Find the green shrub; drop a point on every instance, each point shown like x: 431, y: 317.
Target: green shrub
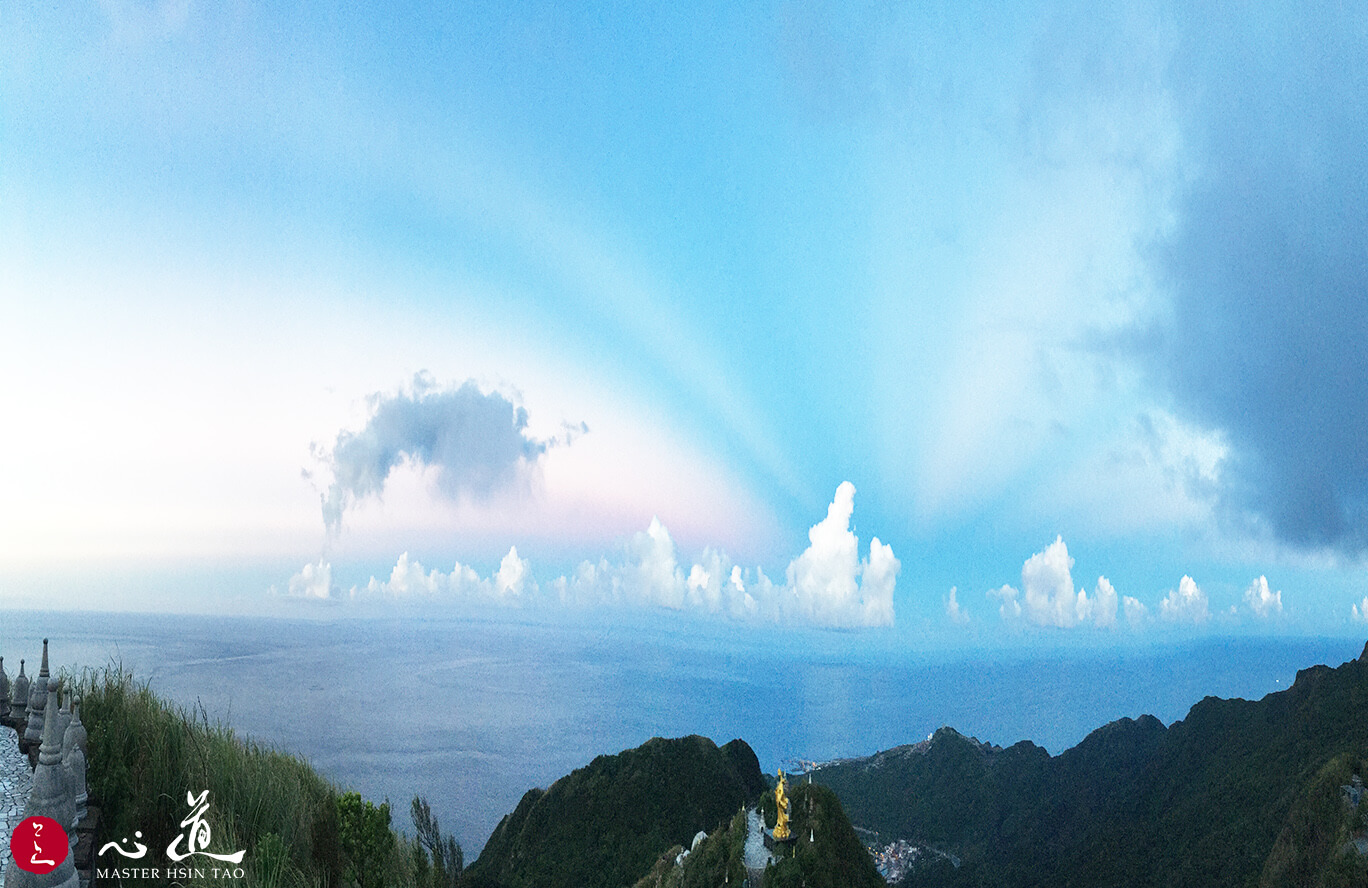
x: 367, y: 843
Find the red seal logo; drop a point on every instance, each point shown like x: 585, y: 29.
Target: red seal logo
x: 39, y: 845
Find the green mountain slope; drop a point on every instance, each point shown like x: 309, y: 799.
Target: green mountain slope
x: 1310, y: 847
x: 1201, y: 803
x: 604, y: 825
x: 826, y: 852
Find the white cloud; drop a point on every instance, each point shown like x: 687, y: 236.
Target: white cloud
x: 1047, y: 587
x: 513, y: 576
x: 1261, y: 601
x: 312, y: 581
x: 958, y: 615
x: 717, y: 586
x: 1104, y: 604
x: 832, y: 586
x: 1010, y: 609
x: 651, y: 573
x: 1360, y: 610
x: 828, y: 584
x: 1186, y: 604
x: 1048, y: 598
x: 1135, y: 611
x: 408, y: 580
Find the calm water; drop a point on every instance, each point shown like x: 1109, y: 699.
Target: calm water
x: 471, y: 714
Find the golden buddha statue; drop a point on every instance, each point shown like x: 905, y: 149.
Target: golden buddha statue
x: 781, y: 825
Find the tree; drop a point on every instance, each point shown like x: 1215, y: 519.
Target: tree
x: 448, y: 862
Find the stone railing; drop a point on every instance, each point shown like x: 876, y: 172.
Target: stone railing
x: 48, y: 724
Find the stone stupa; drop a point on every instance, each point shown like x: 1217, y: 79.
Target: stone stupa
x: 4, y: 691
x: 74, y: 762
x: 38, y: 701
x: 48, y: 797
x: 19, y: 698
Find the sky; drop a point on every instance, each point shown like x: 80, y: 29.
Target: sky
x: 960, y: 324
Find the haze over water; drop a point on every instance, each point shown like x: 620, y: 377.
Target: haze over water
x: 471, y: 713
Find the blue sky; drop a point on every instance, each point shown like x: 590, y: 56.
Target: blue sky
x: 584, y: 309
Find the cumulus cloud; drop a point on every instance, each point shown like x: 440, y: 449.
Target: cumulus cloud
x: 1048, y: 598
x: 828, y: 584
x: 648, y: 573
x: 1010, y: 608
x: 1135, y: 611
x: 958, y: 615
x: 1360, y: 610
x: 476, y: 443
x: 409, y: 580
x: 1047, y: 587
x: 312, y: 581
x: 1261, y: 601
x: 1104, y: 604
x: 1266, y: 267
x: 1186, y: 604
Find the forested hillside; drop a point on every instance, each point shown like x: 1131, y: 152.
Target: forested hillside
x: 604, y: 825
x: 1237, y: 791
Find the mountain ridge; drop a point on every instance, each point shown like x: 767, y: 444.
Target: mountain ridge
x: 604, y: 825
x: 1199, y: 802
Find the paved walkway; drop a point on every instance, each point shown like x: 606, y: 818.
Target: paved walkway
x: 757, y: 855
x: 15, y: 779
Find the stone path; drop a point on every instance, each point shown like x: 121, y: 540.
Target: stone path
x: 15, y: 779
x: 757, y: 855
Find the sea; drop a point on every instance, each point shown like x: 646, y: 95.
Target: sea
x: 471, y: 713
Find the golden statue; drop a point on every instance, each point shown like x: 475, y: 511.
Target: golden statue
x: 781, y: 827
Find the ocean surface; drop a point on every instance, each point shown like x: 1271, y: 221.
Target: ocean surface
x: 472, y: 713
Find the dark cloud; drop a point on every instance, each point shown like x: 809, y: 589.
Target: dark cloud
x: 477, y: 442
x: 1268, y: 264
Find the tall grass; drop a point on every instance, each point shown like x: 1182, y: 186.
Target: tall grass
x: 146, y: 754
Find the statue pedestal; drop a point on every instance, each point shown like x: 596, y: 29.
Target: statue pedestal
x: 779, y: 846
